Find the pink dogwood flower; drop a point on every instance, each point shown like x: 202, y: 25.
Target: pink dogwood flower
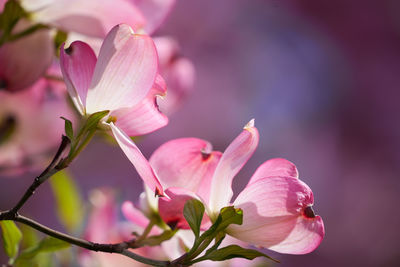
x: 25, y: 60
x: 30, y: 126
x: 277, y: 206
x: 178, y: 72
x: 124, y: 80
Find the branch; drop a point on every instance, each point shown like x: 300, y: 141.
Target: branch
x: 118, y: 248
x: 54, y: 166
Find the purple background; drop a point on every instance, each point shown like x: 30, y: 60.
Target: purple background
x: 321, y: 78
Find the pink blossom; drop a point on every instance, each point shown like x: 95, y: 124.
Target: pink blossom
x: 124, y: 80
x: 25, y: 60
x: 26, y: 138
x: 178, y: 72
x: 277, y: 206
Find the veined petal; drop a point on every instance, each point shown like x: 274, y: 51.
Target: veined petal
x: 276, y: 211
x: 90, y: 17
x: 145, y: 117
x: 155, y: 12
x: 273, y: 168
x: 186, y: 163
x: 77, y: 66
x: 171, y: 210
x: 134, y: 215
x: 305, y: 237
x: 125, y: 71
x: 233, y: 159
x: 138, y: 160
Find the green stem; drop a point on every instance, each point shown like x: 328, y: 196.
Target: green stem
x: 146, y: 231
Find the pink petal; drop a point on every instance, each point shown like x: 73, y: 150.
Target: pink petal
x: 138, y: 160
x: 145, y: 117
x: 171, y: 210
x: 273, y: 168
x: 134, y: 215
x: 155, y: 12
x: 233, y: 159
x: 77, y: 65
x: 125, y: 71
x: 103, y: 216
x: 179, y: 73
x: 94, y: 18
x: 187, y: 163
x: 25, y: 60
x: 274, y: 216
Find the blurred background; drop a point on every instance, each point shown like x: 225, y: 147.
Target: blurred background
x: 321, y: 78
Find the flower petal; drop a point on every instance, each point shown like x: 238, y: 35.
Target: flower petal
x: 145, y: 117
x: 273, y: 168
x: 134, y: 215
x: 77, y: 65
x: 25, y: 60
x: 186, y: 163
x: 138, y: 160
x: 155, y: 12
x: 233, y: 159
x: 171, y: 210
x: 90, y: 17
x: 274, y: 217
x: 125, y: 71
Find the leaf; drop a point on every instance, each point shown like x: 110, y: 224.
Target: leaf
x: 193, y: 212
x: 47, y: 244
x: 233, y: 251
x: 230, y: 215
x: 12, y: 12
x: 69, y: 203
x: 11, y: 238
x: 93, y: 120
x: 68, y: 129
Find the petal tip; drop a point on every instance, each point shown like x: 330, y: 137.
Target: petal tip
x: 249, y: 125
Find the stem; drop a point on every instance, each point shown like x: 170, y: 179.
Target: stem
x: 119, y: 248
x: 47, y: 173
x: 146, y: 231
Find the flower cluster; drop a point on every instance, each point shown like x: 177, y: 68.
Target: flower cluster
x: 100, y: 53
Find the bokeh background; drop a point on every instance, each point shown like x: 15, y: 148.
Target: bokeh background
x: 321, y: 78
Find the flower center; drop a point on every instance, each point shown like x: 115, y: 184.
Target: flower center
x: 309, y: 212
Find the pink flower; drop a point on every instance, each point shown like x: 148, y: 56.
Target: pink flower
x: 124, y: 80
x: 25, y: 60
x: 94, y: 18
x: 178, y: 72
x: 277, y: 206
x: 30, y: 126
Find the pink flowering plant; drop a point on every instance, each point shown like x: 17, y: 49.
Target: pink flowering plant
x: 94, y: 64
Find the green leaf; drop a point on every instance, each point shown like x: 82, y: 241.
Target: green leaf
x: 12, y: 12
x: 193, y: 212
x: 69, y: 203
x: 230, y: 215
x: 233, y: 251
x: 68, y: 129
x: 11, y: 238
x: 48, y: 244
x: 94, y: 119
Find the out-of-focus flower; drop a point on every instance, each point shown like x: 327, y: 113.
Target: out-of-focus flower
x: 104, y: 226
x: 125, y: 81
x: 277, y: 206
x: 30, y: 126
x: 25, y: 60
x: 95, y: 18
x: 178, y: 72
